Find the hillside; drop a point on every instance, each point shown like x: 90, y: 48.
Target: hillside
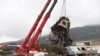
x: 85, y: 33
x: 77, y: 34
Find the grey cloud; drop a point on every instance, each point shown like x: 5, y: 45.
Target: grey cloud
x: 18, y: 16
x: 84, y: 12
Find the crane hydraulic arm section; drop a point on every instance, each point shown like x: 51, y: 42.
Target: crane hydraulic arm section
x: 42, y: 25
x: 26, y: 48
x: 35, y: 24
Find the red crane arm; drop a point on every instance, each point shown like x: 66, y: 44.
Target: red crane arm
x: 24, y: 48
x: 34, y: 38
x: 35, y: 24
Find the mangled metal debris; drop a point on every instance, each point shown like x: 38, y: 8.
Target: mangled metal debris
x: 61, y: 30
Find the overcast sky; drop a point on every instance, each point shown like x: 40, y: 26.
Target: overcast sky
x: 18, y: 16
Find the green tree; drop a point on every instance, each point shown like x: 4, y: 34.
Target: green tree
x: 56, y: 49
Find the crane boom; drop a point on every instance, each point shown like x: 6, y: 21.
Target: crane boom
x: 35, y: 24
x: 34, y: 38
x: 26, y: 49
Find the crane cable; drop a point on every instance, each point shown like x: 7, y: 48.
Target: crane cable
x: 63, y: 10
x: 63, y: 13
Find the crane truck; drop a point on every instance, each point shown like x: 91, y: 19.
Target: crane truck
x: 27, y: 47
